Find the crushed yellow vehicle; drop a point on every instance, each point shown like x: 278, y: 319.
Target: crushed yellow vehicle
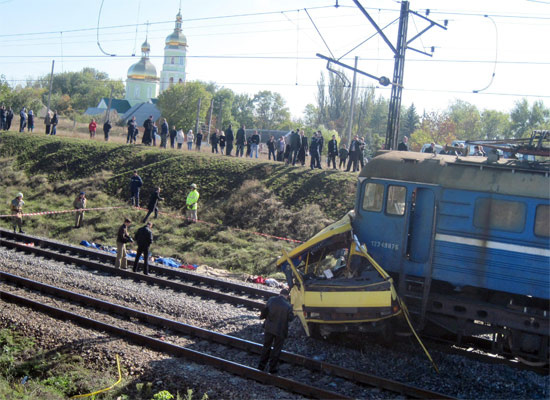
x: 336, y: 286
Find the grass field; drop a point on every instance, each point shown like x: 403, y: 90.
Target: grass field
x: 255, y: 196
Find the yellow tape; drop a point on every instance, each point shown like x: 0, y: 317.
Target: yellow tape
x: 103, y: 390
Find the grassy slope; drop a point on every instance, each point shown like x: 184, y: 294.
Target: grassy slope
x: 285, y: 201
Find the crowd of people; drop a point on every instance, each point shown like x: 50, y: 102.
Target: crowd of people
x: 292, y: 148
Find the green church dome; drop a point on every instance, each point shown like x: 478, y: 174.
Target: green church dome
x: 143, y: 69
x: 176, y: 38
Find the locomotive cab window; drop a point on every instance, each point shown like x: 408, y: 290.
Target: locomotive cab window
x: 395, y: 204
x: 499, y: 214
x: 542, y: 221
x: 373, y: 197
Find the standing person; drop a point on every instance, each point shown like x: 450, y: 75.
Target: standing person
x: 431, y: 149
x: 277, y: 314
x: 148, y: 131
x: 164, y: 133
x: 214, y: 141
x: 122, y: 237
x: 48, y: 122
x: 153, y: 204
x: 79, y: 204
x: 135, y: 186
x: 17, y: 212
x: 180, y: 138
x: 404, y: 145
x: 154, y: 133
x: 198, y: 140
x: 30, y: 119
x: 294, y: 146
x: 173, y: 134
x: 2, y: 117
x: 92, y: 127
x: 332, y: 151
x: 55, y: 121
x: 9, y: 118
x: 271, y: 148
x: 281, y: 145
x: 343, y: 155
x: 320, y: 143
x: 353, y: 154
x: 362, y: 155
x: 303, y: 148
x: 22, y: 119
x: 221, y: 139
x: 144, y: 239
x: 314, y: 151
x: 239, y: 140
x: 106, y: 129
x: 255, y: 143
x: 190, y: 139
x: 229, y: 140
x: 192, y: 203
x: 131, y: 126
x: 248, y: 145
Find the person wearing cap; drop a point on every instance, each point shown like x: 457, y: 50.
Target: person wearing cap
x: 277, y: 314
x: 192, y: 203
x: 17, y: 212
x: 122, y: 238
x: 79, y: 204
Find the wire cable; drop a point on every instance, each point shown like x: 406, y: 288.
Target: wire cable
x: 322, y: 38
x: 496, y: 57
x: 98, y: 43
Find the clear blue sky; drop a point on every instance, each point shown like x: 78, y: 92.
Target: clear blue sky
x: 276, y: 51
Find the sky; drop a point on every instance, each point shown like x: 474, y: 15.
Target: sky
x: 253, y: 45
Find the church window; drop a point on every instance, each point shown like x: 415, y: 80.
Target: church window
x: 180, y: 81
x: 171, y: 80
x: 172, y: 60
x: 181, y: 60
x: 136, y: 92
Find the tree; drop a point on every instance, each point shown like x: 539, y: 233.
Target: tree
x: 270, y: 111
x: 467, y: 120
x: 409, y: 122
x: 5, y: 90
x: 223, y: 98
x: 243, y: 110
x: 494, y: 125
x: 434, y: 127
x: 178, y: 104
x: 28, y: 97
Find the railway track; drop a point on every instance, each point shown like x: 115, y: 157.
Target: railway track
x: 209, y: 287
x: 109, y: 317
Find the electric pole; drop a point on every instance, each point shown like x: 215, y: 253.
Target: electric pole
x: 51, y: 84
x: 352, y: 102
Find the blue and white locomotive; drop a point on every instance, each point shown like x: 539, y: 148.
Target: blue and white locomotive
x: 467, y: 242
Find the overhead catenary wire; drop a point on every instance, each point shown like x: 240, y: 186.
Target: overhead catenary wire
x: 496, y: 58
x: 98, y: 43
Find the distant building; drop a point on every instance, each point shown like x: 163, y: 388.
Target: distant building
x: 142, y: 83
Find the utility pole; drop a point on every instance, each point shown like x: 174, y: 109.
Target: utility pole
x: 352, y: 102
x: 210, y: 118
x: 198, y: 116
x: 51, y: 84
x: 219, y: 121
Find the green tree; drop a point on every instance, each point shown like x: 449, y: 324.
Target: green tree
x: 243, y: 110
x: 5, y: 90
x: 270, y: 111
x: 409, y: 122
x: 434, y: 127
x: 495, y: 125
x: 28, y: 97
x: 467, y: 120
x: 223, y: 98
x: 178, y: 104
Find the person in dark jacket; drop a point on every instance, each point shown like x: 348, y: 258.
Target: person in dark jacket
x: 354, y: 154
x: 122, y: 238
x: 135, y: 185
x: 164, y: 133
x: 106, y: 129
x: 277, y: 314
x: 240, y: 141
x: 144, y: 239
x: 320, y: 143
x: 229, y: 140
x: 147, y: 134
x: 198, y: 140
x: 314, y: 152
x: 271, y: 148
x: 22, y: 119
x: 221, y: 139
x: 153, y: 204
x: 55, y: 121
x: 173, y: 134
x: 30, y: 125
x: 254, y: 144
x: 332, y: 152
x: 343, y: 156
x: 132, y: 125
x: 248, y: 146
x: 9, y: 118
x: 294, y: 146
x: 303, y: 149
x: 214, y: 141
x: 154, y: 133
x: 2, y: 117
x: 404, y: 145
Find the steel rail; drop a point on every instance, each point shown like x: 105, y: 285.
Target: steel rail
x: 253, y: 304
x: 242, y: 344
x: 110, y: 259
x: 178, y: 351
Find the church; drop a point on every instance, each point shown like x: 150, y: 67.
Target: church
x: 143, y: 85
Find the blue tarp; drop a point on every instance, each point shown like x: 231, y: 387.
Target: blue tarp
x: 169, y: 262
